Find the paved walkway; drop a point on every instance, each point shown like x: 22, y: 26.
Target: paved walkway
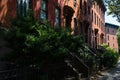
x: 112, y: 74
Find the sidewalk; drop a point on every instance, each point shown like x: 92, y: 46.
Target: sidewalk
x: 112, y: 74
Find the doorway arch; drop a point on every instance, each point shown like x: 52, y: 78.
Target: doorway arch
x: 68, y: 14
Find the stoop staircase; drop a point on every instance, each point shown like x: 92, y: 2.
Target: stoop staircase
x: 78, y: 63
x: 78, y: 66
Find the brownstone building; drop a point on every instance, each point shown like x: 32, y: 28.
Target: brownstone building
x: 98, y: 24
x: 82, y: 16
x: 111, y: 37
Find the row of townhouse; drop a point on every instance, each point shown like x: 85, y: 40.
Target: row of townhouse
x: 84, y: 17
x: 111, y: 36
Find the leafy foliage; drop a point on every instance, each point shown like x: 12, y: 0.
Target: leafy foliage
x: 35, y: 43
x: 109, y: 56
x: 41, y: 46
x: 114, y: 8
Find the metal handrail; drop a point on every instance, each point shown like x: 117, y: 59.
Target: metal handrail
x: 90, y: 51
x: 78, y: 59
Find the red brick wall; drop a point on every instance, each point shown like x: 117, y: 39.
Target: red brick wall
x: 112, y: 40
x: 51, y: 10
x: 36, y: 8
x: 98, y: 22
x: 7, y: 11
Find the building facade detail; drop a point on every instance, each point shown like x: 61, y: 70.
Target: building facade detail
x: 98, y: 24
x: 84, y: 17
x: 111, y: 37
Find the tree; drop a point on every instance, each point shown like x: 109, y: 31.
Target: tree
x: 109, y: 56
x: 114, y: 8
x: 118, y: 37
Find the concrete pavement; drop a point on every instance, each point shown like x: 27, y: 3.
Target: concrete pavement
x: 112, y: 74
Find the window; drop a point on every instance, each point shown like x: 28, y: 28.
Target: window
x: 108, y: 37
x: 57, y: 17
x: 108, y: 30
x: 85, y: 6
x: 113, y: 31
x: 75, y: 26
x: 99, y: 23
x: 43, y: 10
x: 74, y: 2
x: 22, y: 7
x: 89, y: 10
x: 108, y: 44
x: 113, y: 45
x: 80, y: 4
x: 92, y: 15
x: 81, y: 30
x: 95, y: 18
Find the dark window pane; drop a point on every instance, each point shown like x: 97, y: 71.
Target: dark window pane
x: 43, y: 15
x: 43, y: 10
x: 23, y: 6
x: 43, y: 5
x: 57, y: 17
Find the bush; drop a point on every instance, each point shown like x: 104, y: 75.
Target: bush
x: 40, y: 45
x: 109, y: 56
x: 36, y: 43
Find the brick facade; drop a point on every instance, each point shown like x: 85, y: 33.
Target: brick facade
x: 7, y: 11
x: 98, y: 24
x: 111, y: 37
x: 75, y: 14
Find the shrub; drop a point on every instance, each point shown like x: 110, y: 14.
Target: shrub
x: 37, y: 43
x: 42, y: 46
x: 109, y: 56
